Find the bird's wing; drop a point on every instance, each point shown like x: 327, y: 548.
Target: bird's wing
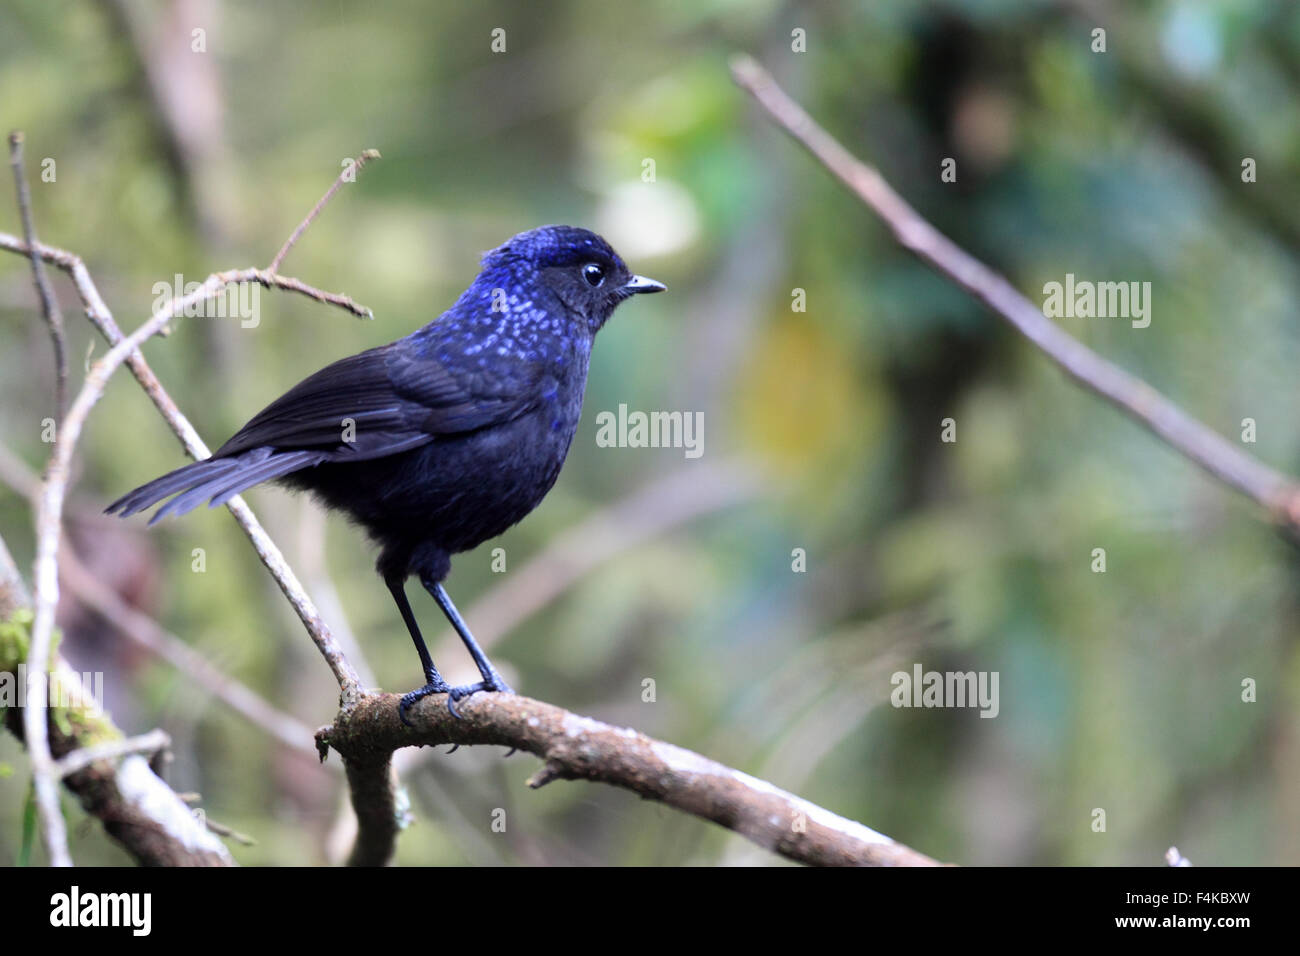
x: 392, y: 401
x: 465, y: 400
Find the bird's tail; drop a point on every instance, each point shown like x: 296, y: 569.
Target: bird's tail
x: 217, y: 479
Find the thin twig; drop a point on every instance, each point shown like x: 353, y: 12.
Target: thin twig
x: 221, y: 830
x: 78, y: 760
x: 349, y: 174
x: 49, y: 519
x: 269, y: 553
x: 72, y: 264
x: 143, y: 631
x: 146, y: 633
x: 45, y: 776
x: 269, y: 277
x: 136, y: 807
x: 1279, y: 495
x: 579, y: 748
x: 49, y: 304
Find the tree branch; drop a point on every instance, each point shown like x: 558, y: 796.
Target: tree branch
x: 98, y: 313
x: 78, y: 760
x: 49, y: 513
x: 580, y: 748
x: 1279, y: 495
x: 136, y: 807
x: 49, y: 304
x: 349, y: 174
x: 143, y: 631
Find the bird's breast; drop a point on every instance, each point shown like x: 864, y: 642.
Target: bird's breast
x: 514, y: 465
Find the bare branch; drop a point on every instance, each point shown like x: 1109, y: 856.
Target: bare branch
x: 78, y: 760
x: 100, y: 315
x: 44, y: 775
x: 381, y: 815
x: 1279, y: 495
x: 271, y: 278
x: 49, y: 512
x: 143, y: 631
x: 136, y: 808
x: 221, y: 830
x: 49, y: 520
x: 143, y: 814
x: 214, y: 284
x: 49, y: 304
x: 349, y: 174
x: 580, y: 748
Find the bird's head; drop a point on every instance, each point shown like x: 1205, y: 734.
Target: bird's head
x: 574, y: 266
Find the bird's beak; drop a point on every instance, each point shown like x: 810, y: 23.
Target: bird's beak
x: 642, y: 284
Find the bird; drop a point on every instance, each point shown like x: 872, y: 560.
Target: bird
x: 440, y: 440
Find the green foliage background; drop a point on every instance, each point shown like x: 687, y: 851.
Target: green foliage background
x: 1119, y: 691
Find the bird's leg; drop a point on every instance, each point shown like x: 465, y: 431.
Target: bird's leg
x: 435, y: 685
x: 492, y: 681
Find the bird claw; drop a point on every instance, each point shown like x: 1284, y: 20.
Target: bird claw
x: 409, y: 700
x: 493, y: 684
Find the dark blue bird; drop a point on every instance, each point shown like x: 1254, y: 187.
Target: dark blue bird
x: 443, y: 439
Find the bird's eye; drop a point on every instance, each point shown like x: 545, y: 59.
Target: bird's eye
x: 594, y: 274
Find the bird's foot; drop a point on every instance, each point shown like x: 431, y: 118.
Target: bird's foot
x: 493, y: 684
x: 438, y: 686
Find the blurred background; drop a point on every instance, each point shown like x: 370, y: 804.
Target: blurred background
x: 1119, y: 690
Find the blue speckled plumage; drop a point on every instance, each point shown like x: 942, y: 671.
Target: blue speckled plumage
x: 445, y: 438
